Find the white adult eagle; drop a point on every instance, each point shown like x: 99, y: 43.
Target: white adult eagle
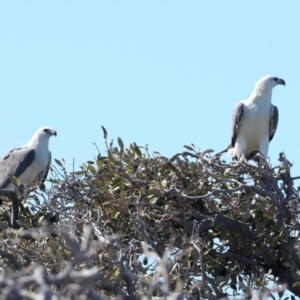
x: 254, y: 121
x: 29, y: 163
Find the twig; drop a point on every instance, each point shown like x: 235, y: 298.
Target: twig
x: 15, y: 207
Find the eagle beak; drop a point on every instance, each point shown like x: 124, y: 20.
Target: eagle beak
x: 54, y: 132
x: 281, y: 81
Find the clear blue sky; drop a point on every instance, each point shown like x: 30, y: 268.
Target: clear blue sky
x: 163, y: 73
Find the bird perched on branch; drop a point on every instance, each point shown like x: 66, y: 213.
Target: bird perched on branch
x: 254, y: 121
x: 29, y: 163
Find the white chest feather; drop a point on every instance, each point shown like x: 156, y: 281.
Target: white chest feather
x: 38, y: 165
x: 256, y: 122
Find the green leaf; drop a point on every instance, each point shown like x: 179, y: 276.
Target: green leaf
x: 154, y: 185
x: 104, y: 132
x: 145, y: 260
x: 208, y: 151
x: 41, y: 218
x: 84, y: 166
x: 42, y: 186
x: 15, y: 180
x: 116, y: 215
x: 296, y: 284
x: 116, y: 182
x: 121, y: 144
x: 137, y: 150
x: 58, y: 162
x: 164, y: 183
x: 153, y: 200
x: 91, y: 169
x: 189, y: 148
x: 206, y: 252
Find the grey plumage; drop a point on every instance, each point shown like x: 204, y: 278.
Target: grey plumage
x: 15, y: 163
x: 237, y: 116
x: 29, y: 163
x: 273, y: 121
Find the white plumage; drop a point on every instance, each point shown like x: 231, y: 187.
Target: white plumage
x: 29, y: 163
x: 254, y: 121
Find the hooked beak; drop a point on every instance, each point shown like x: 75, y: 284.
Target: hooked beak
x: 281, y: 81
x: 54, y: 132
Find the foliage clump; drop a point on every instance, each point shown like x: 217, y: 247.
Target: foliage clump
x: 132, y: 225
